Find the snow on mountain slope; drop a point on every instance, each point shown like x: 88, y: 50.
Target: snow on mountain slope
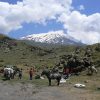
x: 54, y: 37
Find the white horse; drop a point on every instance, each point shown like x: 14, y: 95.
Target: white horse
x: 8, y: 73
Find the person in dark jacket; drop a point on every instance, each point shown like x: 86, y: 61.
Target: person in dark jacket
x: 31, y: 73
x: 20, y: 74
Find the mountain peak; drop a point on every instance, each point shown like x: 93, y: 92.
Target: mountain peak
x: 53, y: 37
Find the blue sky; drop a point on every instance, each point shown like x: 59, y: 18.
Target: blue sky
x: 10, y: 1
x: 67, y: 16
x: 91, y: 6
x: 32, y: 28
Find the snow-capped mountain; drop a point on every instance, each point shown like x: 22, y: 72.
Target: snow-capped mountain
x: 57, y: 37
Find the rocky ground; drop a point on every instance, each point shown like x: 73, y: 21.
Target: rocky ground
x: 28, y: 91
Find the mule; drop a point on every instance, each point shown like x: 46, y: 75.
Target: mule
x: 8, y: 73
x: 51, y: 76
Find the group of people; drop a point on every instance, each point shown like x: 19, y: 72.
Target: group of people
x: 10, y: 73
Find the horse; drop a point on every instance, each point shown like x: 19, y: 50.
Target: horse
x: 52, y: 76
x: 16, y: 71
x: 8, y: 73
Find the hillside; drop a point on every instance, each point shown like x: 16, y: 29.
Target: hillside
x: 19, y: 53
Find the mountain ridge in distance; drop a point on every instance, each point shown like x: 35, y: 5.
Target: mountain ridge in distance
x: 58, y: 37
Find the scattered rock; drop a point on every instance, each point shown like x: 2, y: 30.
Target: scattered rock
x: 37, y: 77
x: 98, y: 88
x: 42, y: 78
x: 86, y: 81
x: 62, y: 80
x: 34, y: 92
x: 79, y: 85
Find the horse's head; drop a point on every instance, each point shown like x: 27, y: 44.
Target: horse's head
x: 45, y: 72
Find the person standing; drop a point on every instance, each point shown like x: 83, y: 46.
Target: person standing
x: 20, y: 74
x: 31, y: 73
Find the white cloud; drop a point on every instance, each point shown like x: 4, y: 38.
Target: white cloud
x: 37, y: 11
x: 82, y: 27
x: 81, y: 7
x: 86, y: 37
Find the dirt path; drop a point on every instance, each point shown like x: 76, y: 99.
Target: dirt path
x: 20, y: 91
